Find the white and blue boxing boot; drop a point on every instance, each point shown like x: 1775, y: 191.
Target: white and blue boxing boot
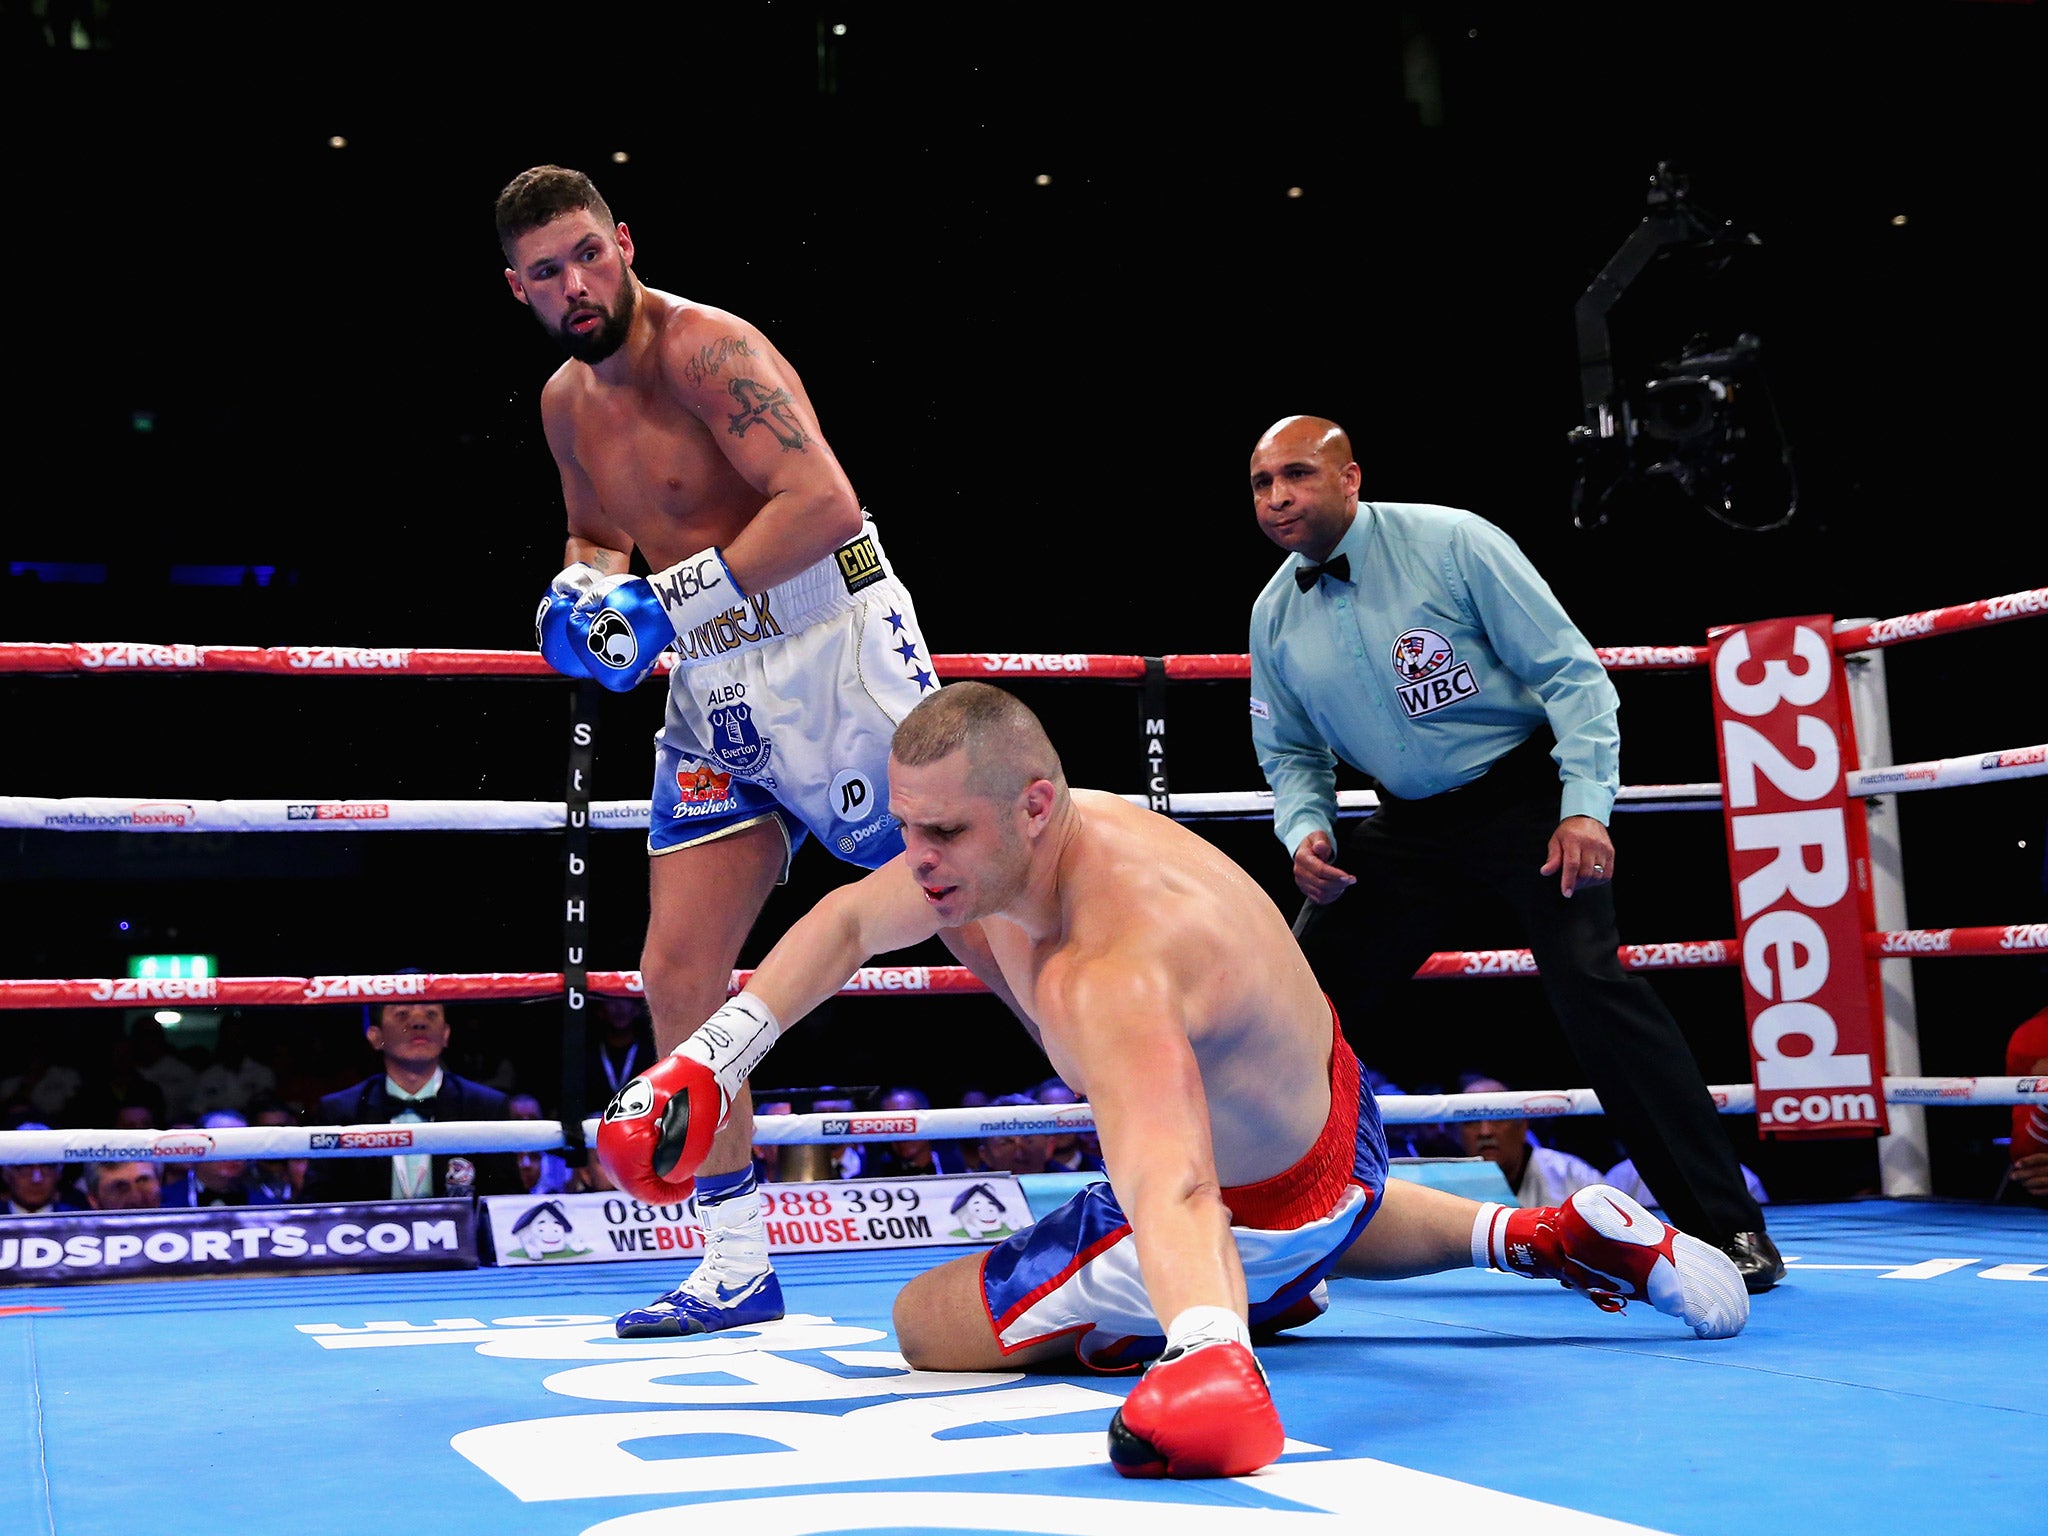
x: 733, y: 1287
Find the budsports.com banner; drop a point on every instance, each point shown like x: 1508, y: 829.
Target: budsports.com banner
x: 1798, y: 858
x: 825, y: 1217
x: 237, y: 1240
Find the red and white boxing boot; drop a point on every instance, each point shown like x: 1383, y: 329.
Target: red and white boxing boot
x: 1202, y: 1409
x: 1613, y: 1251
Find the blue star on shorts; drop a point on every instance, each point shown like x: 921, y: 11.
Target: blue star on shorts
x: 896, y: 622
x: 907, y: 650
x: 923, y: 679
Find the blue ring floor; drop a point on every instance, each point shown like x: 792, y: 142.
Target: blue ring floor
x: 1894, y: 1383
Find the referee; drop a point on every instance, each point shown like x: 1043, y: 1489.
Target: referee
x: 1418, y: 644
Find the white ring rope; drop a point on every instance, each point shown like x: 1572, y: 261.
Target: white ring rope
x: 94, y: 813
x: 238, y: 1143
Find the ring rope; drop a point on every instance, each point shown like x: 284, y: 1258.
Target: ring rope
x: 884, y: 980
x: 103, y: 813
x: 237, y: 1143
x: 373, y: 661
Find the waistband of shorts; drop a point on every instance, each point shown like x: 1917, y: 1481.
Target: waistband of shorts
x: 1310, y: 1189
x: 817, y: 592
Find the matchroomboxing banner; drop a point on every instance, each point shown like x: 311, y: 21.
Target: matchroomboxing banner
x: 1798, y: 860
x: 824, y: 1217
x: 237, y: 1240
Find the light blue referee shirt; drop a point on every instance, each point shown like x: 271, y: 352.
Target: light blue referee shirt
x: 1443, y: 651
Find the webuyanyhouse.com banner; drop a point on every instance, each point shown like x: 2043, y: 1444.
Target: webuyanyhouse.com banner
x: 237, y: 1240
x: 822, y: 1217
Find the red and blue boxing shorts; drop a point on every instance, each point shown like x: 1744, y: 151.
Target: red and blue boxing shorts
x: 1076, y: 1271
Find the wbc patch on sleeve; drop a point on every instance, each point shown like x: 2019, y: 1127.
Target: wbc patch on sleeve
x: 1431, y: 675
x: 860, y: 563
x: 1260, y: 711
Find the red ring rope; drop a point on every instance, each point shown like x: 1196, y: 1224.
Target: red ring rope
x: 884, y: 980
x: 373, y: 661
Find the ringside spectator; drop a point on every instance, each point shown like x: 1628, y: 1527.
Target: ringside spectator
x: 910, y: 1158
x: 413, y: 1088
x: 122, y: 1186
x: 847, y: 1159
x: 540, y: 1173
x: 1070, y: 1151
x: 1538, y: 1175
x: 277, y: 1181
x: 620, y: 1049
x: 1011, y: 1151
x: 767, y: 1157
x: 34, y: 1189
x: 220, y: 1182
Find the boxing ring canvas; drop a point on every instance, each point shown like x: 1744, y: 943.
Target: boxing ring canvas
x: 1892, y: 1384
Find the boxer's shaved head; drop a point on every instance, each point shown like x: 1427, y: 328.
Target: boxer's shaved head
x: 1312, y: 437
x: 1007, y: 748
x: 976, y: 785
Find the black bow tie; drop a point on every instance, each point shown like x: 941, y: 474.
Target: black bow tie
x: 1337, y: 568
x: 424, y: 1108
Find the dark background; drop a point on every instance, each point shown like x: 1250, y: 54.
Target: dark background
x: 233, y: 344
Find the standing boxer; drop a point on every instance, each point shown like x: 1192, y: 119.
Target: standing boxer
x: 681, y: 431
x: 1245, y: 1160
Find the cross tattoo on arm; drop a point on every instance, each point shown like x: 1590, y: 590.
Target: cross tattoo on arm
x: 774, y: 409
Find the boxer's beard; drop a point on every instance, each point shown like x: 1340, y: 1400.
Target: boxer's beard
x: 608, y: 337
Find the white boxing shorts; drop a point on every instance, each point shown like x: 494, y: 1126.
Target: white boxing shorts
x: 785, y: 711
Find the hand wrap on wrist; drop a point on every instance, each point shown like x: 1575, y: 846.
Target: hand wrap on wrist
x: 732, y: 1041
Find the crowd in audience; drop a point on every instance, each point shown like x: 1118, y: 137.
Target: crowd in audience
x: 145, y: 1083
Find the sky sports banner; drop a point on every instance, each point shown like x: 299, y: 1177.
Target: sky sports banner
x: 237, y: 1240
x: 826, y: 1217
x: 1797, y: 856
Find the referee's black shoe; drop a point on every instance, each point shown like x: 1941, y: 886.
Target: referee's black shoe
x: 1757, y: 1259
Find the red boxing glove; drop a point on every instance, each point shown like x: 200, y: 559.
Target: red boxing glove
x: 657, y: 1130
x: 1201, y: 1411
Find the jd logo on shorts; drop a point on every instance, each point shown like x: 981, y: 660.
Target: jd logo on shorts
x: 1424, y: 660
x: 611, y: 640
x: 853, y: 796
x: 860, y: 563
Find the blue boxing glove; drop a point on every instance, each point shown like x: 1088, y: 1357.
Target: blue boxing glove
x: 618, y: 629
x: 551, y: 623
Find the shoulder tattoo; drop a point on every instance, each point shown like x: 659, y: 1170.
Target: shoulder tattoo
x: 772, y: 408
x: 710, y: 361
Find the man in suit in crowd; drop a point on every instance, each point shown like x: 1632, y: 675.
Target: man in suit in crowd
x: 413, y: 1088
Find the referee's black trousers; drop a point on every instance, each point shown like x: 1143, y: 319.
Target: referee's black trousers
x: 1417, y: 856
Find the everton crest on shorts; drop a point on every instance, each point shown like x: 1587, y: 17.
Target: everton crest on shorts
x: 798, y: 732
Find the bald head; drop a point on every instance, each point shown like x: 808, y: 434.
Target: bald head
x: 1304, y: 484
x: 1307, y: 437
